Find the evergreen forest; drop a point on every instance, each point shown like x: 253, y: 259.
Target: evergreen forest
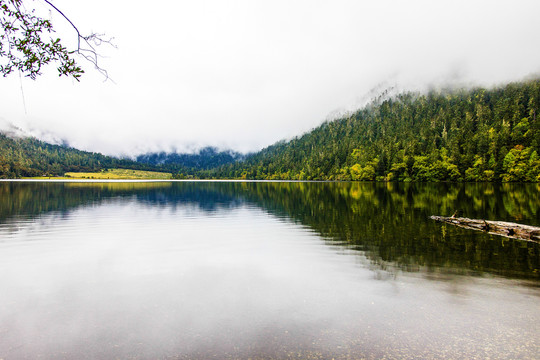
x: 455, y: 135
x: 463, y: 135
x: 205, y: 159
x: 29, y: 157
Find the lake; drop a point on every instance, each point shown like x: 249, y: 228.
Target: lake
x: 265, y: 270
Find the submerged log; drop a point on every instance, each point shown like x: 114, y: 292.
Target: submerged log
x: 503, y: 228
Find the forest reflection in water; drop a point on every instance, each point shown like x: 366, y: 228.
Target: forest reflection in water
x: 387, y: 222
x: 264, y: 270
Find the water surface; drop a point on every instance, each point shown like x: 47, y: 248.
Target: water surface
x: 240, y: 270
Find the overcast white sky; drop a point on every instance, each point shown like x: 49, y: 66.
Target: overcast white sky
x: 244, y: 74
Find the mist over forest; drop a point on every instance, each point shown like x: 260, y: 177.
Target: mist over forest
x: 473, y: 134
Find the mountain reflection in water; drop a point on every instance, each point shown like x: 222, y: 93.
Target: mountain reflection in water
x: 387, y: 222
x: 264, y: 270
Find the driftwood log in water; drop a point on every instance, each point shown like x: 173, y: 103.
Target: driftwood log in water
x: 508, y: 229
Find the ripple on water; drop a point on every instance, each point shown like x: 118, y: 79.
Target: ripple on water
x: 131, y: 280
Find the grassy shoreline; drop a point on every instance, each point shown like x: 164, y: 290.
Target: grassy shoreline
x: 110, y: 174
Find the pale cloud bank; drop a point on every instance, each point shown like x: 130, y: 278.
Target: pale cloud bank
x: 244, y: 74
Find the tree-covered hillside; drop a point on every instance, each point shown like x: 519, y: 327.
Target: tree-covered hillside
x: 183, y: 164
x: 27, y: 157
x: 20, y: 157
x: 466, y: 135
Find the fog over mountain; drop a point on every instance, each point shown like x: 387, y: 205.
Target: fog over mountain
x: 243, y: 74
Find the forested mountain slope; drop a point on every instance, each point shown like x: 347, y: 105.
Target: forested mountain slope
x: 466, y: 135
x: 26, y: 156
x: 206, y: 158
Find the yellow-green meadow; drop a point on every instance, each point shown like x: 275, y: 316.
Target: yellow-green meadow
x: 125, y: 174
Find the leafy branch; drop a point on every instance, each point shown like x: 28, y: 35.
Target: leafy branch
x: 26, y: 44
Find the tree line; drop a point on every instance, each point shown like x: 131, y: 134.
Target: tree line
x: 463, y: 135
x: 183, y: 165
x: 28, y: 157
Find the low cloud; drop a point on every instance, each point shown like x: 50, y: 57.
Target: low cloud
x: 245, y: 74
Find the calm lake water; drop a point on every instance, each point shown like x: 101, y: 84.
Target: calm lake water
x: 265, y: 270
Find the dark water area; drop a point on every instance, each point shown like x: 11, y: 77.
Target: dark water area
x: 265, y: 270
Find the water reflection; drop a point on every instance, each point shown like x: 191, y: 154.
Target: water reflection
x: 180, y: 270
x: 388, y: 223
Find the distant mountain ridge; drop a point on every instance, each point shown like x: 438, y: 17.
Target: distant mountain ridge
x: 25, y: 156
x: 206, y: 158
